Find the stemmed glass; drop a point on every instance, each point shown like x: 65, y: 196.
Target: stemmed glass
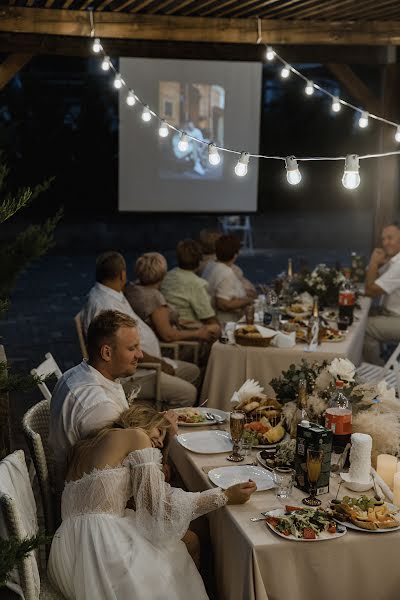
x: 236, y: 421
x: 314, y: 463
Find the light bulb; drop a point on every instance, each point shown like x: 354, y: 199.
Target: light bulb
x: 309, y: 88
x: 213, y: 155
x: 163, y: 130
x: 96, y: 45
x: 269, y: 54
x: 183, y: 143
x: 351, y: 175
x: 242, y: 164
x: 336, y: 106
x: 146, y: 114
x: 397, y: 134
x: 285, y: 71
x: 106, y: 64
x: 363, y: 120
x: 130, y: 99
x: 118, y: 81
x: 293, y: 174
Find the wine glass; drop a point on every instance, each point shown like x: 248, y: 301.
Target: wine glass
x: 236, y: 421
x: 314, y: 463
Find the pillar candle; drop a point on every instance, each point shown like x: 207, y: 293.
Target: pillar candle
x: 398, y: 466
x: 396, y: 489
x: 386, y: 468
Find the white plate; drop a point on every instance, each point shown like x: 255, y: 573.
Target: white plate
x: 224, y: 477
x: 206, y: 442
x: 220, y: 417
x: 355, y: 486
x: 262, y: 461
x: 356, y: 528
x: 323, y: 536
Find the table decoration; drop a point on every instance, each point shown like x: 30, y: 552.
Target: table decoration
x: 386, y: 468
x: 323, y: 282
x: 359, y: 476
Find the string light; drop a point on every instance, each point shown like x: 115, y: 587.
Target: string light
x: 351, y: 175
x: 269, y: 53
x: 96, y: 46
x: 130, y: 99
x: 309, y: 89
x: 285, y: 72
x: 163, y: 130
x: 336, y: 106
x: 106, y: 64
x: 293, y: 174
x: 146, y: 114
x: 363, y: 120
x: 118, y: 81
x: 242, y: 164
x: 397, y: 134
x: 183, y: 143
x: 213, y: 155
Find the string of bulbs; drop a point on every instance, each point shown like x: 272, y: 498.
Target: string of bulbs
x: 351, y: 175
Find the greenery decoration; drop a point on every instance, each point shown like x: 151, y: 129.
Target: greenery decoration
x: 12, y: 551
x: 286, y: 386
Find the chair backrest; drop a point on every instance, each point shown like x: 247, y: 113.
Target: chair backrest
x: 15, y: 497
x: 81, y: 336
x: 393, y: 363
x: 46, y: 368
x: 35, y: 425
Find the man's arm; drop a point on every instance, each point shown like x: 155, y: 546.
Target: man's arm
x: 377, y: 260
x: 165, y: 367
x: 233, y: 304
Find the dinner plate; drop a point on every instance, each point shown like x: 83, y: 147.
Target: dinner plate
x: 262, y: 462
x: 206, y: 442
x: 220, y: 416
x: 391, y: 507
x: 224, y: 477
x: 323, y: 536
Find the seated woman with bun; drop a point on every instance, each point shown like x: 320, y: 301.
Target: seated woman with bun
x: 149, y: 303
x: 103, y: 549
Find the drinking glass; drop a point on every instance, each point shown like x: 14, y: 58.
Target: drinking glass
x: 249, y: 314
x: 314, y: 463
x: 284, y: 480
x: 336, y: 459
x: 237, y: 420
x: 343, y: 323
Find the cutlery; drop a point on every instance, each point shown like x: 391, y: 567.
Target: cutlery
x: 211, y: 417
x: 203, y: 403
x: 255, y: 519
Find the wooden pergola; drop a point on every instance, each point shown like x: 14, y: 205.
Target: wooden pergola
x: 336, y: 33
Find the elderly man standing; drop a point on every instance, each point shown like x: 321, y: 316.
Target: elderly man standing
x: 383, y: 281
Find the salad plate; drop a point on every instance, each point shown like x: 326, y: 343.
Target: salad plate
x: 224, y: 477
x: 206, y: 442
x: 303, y: 523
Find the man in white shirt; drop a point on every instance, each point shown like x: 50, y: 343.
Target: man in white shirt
x: 383, y: 281
x: 225, y: 288
x: 178, y: 378
x: 89, y: 396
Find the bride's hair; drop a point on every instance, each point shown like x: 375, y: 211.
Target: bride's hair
x: 138, y: 416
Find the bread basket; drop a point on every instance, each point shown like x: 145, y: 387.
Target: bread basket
x: 249, y: 336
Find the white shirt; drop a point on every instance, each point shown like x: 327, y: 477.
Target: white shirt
x: 389, y: 282
x: 223, y: 282
x: 83, y: 400
x: 101, y: 298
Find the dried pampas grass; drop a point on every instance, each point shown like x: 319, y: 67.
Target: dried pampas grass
x: 288, y: 412
x: 384, y: 428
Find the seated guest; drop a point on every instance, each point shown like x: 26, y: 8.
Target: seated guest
x: 148, y: 302
x: 106, y: 551
x: 207, y: 240
x: 185, y: 290
x: 227, y: 291
x: 178, y: 378
x: 383, y: 281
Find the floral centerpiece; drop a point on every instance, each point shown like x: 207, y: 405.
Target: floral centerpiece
x: 323, y: 282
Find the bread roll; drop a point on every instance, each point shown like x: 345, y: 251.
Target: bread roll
x: 251, y: 406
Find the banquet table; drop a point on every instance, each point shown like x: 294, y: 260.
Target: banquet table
x: 253, y: 563
x: 230, y: 365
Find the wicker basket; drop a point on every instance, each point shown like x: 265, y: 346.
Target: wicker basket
x: 244, y: 339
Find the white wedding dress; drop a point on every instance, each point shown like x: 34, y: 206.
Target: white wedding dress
x: 104, y: 551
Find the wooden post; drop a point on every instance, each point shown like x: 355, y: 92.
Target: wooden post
x: 11, y: 65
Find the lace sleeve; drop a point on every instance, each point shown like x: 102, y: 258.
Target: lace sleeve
x: 164, y: 513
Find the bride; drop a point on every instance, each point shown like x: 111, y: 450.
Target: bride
x: 104, y: 550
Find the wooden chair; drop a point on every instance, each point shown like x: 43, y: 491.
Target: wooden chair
x: 176, y: 346
x: 46, y: 368
x: 14, y: 524
x: 81, y: 335
x: 35, y: 424
x: 389, y: 372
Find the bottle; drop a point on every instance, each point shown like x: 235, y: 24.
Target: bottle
x: 314, y: 332
x: 338, y: 416
x: 290, y: 269
x: 301, y: 413
x: 347, y: 300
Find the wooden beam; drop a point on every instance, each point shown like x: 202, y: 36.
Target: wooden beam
x: 11, y: 65
x: 357, y: 88
x: 197, y: 29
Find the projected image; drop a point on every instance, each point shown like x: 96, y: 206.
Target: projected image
x: 197, y: 109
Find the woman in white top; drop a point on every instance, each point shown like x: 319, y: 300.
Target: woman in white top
x: 104, y: 550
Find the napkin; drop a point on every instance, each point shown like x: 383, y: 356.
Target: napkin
x: 284, y: 340
x: 265, y: 331
x: 384, y: 394
x: 306, y: 299
x: 250, y: 388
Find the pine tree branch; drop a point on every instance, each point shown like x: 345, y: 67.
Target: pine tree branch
x: 12, y: 551
x: 12, y: 203
x: 17, y: 382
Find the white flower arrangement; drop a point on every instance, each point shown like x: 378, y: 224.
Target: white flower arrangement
x: 343, y: 369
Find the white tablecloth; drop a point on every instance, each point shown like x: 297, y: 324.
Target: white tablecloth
x: 230, y: 365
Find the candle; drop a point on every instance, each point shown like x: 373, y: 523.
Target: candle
x: 398, y: 466
x: 396, y: 489
x: 386, y: 468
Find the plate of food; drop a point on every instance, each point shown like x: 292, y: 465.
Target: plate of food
x: 366, y: 514
x: 224, y: 477
x: 298, y: 310
x: 304, y: 524
x: 264, y: 438
x: 264, y: 420
x: 198, y: 417
x: 329, y: 334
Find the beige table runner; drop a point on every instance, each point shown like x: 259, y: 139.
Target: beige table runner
x: 229, y: 366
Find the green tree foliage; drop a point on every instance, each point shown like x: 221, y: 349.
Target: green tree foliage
x: 12, y: 551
